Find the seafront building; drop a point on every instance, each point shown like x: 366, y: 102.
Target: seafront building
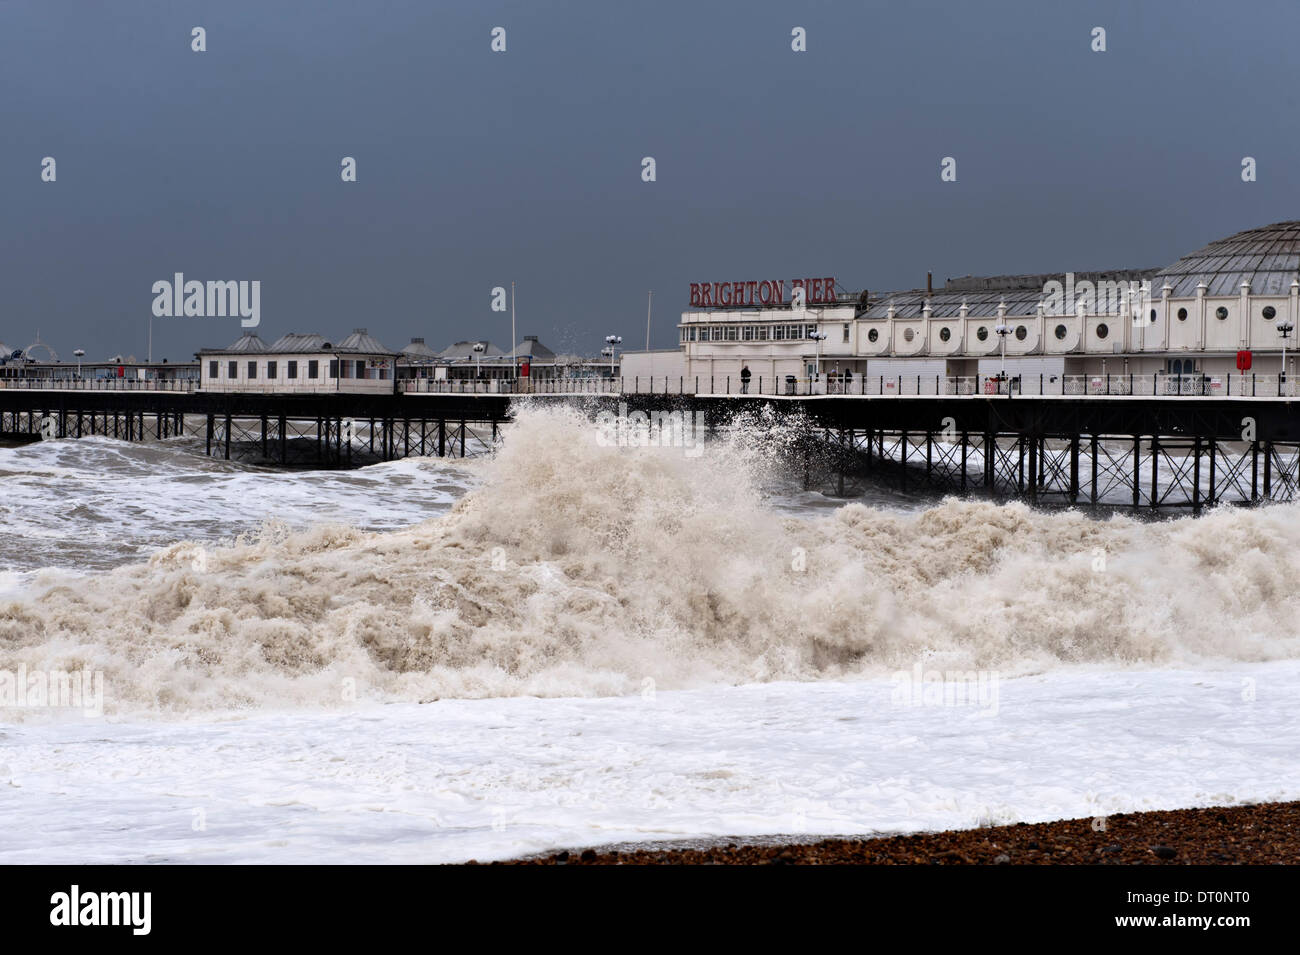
x: 1190, y: 320
x: 300, y: 364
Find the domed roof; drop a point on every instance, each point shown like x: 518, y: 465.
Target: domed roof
x: 1267, y: 257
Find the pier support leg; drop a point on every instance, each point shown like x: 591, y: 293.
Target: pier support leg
x: 965, y: 440
x: 1137, y: 468
x: 1033, y: 469
x: 1074, y: 469
x: 902, y: 461
x: 1092, y: 485
x: 1196, y: 475
x: 1254, y: 471
x: 1268, y: 470
x: 1210, y: 494
x: 1155, y: 467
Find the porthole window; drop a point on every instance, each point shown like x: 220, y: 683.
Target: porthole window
x: 1021, y: 332
x: 945, y: 334
x: 1153, y: 314
x: 1270, y: 312
x: 1102, y: 330
x: 982, y: 333
x: 1060, y: 332
x: 1182, y: 314
x: 873, y: 335
x: 908, y: 335
x: 1221, y: 313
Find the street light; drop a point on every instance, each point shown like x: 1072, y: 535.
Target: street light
x: 818, y: 336
x: 478, y: 351
x: 80, y: 353
x: 611, y: 343
x: 1284, y: 328
x: 1003, y: 331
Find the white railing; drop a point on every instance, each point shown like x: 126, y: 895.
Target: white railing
x: 181, y: 385
x: 508, y: 386
x: 1160, y: 385
x: 873, y: 386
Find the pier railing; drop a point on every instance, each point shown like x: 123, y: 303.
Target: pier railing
x: 508, y: 386
x: 874, y: 386
x: 178, y: 386
x: 1157, y: 384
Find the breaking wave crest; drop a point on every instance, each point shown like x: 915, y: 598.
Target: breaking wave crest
x: 575, y: 568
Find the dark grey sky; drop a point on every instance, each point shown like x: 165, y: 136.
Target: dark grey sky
x: 476, y: 168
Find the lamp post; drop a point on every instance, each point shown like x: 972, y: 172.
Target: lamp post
x: 1284, y: 328
x: 818, y: 336
x: 80, y: 353
x: 1003, y: 331
x: 478, y: 367
x: 611, y: 343
x: 514, y: 344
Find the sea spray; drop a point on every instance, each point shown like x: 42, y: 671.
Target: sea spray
x: 578, y: 568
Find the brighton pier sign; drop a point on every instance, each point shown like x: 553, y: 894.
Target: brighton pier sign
x: 802, y: 291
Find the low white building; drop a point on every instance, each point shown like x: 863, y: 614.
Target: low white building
x: 1196, y: 318
x: 300, y: 364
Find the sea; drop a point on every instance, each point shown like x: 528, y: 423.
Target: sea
x: 567, y: 642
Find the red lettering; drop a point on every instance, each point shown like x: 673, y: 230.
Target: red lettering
x: 767, y: 292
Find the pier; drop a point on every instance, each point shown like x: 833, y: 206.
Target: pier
x: 1169, y: 449
x: 333, y: 430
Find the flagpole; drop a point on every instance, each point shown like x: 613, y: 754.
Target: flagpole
x: 514, y: 342
x: 649, y: 301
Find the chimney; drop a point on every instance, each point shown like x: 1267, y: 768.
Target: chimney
x: 929, y: 283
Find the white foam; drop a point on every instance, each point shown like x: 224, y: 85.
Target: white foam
x: 579, y: 569
x: 498, y: 778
